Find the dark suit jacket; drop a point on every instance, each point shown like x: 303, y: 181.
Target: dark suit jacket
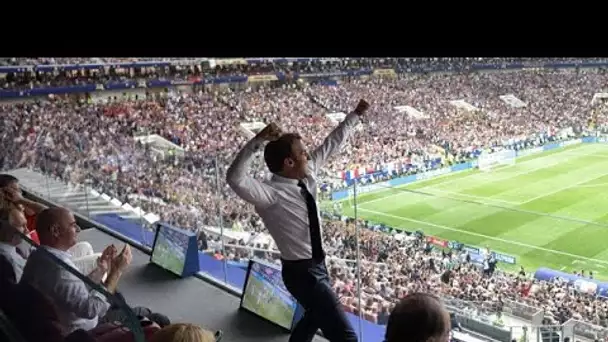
x: 7, y: 273
x: 34, y: 314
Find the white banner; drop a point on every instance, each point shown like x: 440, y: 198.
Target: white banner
x: 512, y: 101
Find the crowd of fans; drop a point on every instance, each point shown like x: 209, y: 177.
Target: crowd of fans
x: 77, y: 141
x: 197, y: 69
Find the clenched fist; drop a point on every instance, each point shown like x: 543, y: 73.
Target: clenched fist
x: 362, y: 107
x: 270, y: 133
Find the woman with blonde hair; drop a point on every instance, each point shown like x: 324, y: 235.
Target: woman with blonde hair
x: 183, y: 332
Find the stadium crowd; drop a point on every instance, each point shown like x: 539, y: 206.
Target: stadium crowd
x: 78, y: 141
x: 197, y: 69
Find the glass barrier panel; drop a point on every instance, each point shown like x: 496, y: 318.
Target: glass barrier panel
x: 239, y: 255
x: 118, y: 311
x: 210, y: 220
x: 228, y: 217
x: 579, y: 330
x: 237, y: 221
x: 351, y: 267
x: 51, y: 183
x: 89, y: 195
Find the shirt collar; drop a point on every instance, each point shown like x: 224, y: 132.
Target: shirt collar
x: 59, y: 253
x: 281, y: 179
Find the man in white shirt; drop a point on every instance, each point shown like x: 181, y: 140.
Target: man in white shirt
x: 11, y: 221
x: 78, y: 306
x: 287, y: 205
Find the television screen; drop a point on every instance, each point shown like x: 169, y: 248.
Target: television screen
x: 170, y: 249
x: 266, y: 296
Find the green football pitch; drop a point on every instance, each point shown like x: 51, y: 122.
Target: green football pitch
x: 548, y: 210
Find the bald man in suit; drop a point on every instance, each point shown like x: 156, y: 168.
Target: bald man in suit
x: 78, y: 306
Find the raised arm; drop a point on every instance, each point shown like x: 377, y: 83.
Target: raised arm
x: 245, y: 186
x: 334, y: 141
x: 15, y: 197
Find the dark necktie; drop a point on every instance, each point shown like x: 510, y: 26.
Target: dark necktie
x: 21, y: 253
x: 315, y: 226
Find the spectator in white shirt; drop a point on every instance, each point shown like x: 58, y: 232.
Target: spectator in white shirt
x: 11, y: 221
x: 287, y: 205
x: 79, y: 307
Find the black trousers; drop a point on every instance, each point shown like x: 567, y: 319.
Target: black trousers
x: 309, y: 283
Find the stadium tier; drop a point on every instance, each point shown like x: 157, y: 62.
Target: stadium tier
x: 481, y: 180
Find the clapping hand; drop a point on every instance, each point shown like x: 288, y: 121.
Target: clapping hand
x: 122, y: 260
x: 105, y: 260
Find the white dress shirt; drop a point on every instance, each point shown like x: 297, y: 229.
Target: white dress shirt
x: 279, y: 200
x: 16, y: 260
x: 78, y: 306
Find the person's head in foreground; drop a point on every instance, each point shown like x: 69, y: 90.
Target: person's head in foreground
x: 57, y: 228
x: 419, y: 317
x: 287, y: 156
x: 183, y: 332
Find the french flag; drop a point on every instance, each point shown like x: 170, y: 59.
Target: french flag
x: 350, y: 174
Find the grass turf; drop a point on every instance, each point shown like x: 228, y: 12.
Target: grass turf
x: 546, y: 210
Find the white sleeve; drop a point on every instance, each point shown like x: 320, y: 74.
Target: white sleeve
x: 248, y: 188
x: 334, y: 141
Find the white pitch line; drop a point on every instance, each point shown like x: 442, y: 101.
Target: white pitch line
x: 456, y: 194
x: 564, y: 188
x: 521, y: 244
x: 551, y: 157
x: 516, y: 174
x: 593, y: 185
x: 594, y: 155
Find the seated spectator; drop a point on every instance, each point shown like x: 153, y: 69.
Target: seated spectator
x: 419, y: 317
x: 34, y: 315
x: 78, y: 307
x: 184, y: 333
x: 24, y: 212
x: 10, y: 196
x: 11, y: 261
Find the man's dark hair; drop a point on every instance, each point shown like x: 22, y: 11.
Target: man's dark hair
x: 276, y: 151
x: 418, y: 317
x: 6, y: 179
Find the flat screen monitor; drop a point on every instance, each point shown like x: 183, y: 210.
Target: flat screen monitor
x: 265, y: 295
x: 175, y: 250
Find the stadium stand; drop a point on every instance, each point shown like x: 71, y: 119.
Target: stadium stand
x: 133, y: 141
